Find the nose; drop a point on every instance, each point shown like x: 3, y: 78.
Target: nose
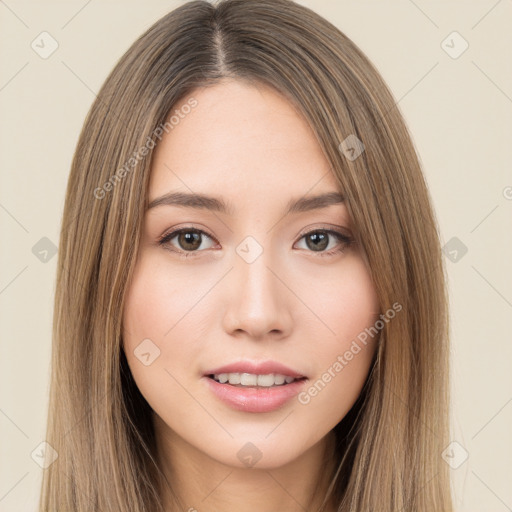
x: 258, y: 300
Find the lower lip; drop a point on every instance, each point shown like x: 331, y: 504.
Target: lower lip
x: 261, y: 399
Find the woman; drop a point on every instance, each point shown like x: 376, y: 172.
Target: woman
x: 250, y: 310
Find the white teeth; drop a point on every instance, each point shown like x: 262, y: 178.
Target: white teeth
x: 266, y: 380
x: 234, y: 378
x: 250, y: 379
x: 279, y: 379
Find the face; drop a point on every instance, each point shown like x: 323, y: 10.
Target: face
x: 256, y: 286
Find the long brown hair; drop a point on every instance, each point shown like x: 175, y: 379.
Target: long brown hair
x: 388, y: 452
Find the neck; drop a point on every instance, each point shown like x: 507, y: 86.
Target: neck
x: 195, y: 482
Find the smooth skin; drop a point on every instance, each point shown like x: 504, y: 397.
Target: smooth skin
x: 203, y: 305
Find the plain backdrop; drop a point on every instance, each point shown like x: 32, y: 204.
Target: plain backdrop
x: 457, y: 102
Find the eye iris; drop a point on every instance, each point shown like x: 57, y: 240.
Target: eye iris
x: 188, y: 237
x: 320, y: 241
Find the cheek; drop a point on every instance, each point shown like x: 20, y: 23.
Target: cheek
x: 349, y: 311
x: 157, y: 310
x: 158, y: 300
x: 345, y: 301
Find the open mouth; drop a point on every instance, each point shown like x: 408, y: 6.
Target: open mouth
x: 243, y: 380
x: 255, y: 392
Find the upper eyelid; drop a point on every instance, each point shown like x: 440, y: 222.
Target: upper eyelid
x: 177, y: 231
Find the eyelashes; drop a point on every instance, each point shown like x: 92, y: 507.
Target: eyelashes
x: 318, y: 237
x: 191, y: 241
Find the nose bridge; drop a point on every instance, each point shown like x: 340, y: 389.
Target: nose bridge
x: 257, y: 299
x: 252, y: 268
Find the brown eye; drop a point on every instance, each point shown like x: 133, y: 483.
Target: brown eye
x: 317, y: 241
x: 186, y: 240
x: 189, y: 241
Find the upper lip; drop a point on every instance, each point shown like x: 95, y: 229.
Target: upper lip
x: 258, y: 368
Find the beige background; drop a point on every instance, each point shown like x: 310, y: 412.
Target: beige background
x: 459, y: 111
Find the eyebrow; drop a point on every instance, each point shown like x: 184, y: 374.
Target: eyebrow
x: 205, y: 202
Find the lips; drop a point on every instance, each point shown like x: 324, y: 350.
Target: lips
x: 255, y: 399
x: 257, y: 368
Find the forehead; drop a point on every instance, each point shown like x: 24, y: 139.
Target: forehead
x: 239, y: 139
